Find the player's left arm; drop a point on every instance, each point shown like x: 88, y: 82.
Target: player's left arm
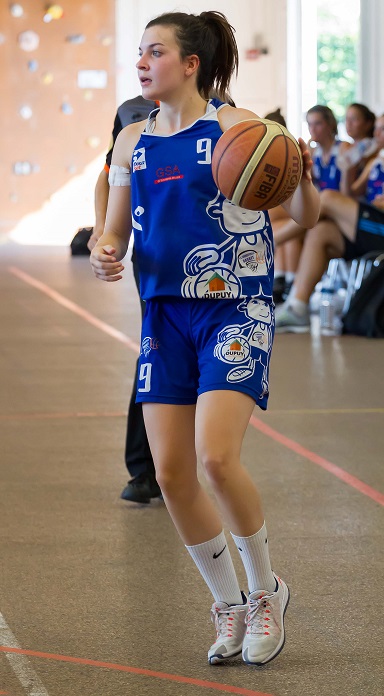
x: 304, y: 205
x: 230, y: 115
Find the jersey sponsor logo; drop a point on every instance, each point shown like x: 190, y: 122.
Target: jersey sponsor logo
x: 170, y: 172
x: 251, y: 259
x: 260, y: 339
x: 233, y: 350
x: 138, y: 159
x: 149, y: 344
x: 217, y: 288
x: 212, y: 284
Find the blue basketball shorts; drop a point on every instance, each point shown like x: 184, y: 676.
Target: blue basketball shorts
x: 369, y: 232
x: 191, y: 346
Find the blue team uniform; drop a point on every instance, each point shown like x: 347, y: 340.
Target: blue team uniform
x: 375, y: 184
x: 370, y: 220
x: 206, y: 272
x: 326, y: 175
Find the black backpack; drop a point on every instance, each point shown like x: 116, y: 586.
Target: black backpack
x: 80, y: 241
x: 365, y: 315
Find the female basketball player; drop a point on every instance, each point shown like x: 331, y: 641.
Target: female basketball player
x: 206, y: 275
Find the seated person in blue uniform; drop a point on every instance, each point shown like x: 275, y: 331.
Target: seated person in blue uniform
x: 325, y: 148
x: 348, y: 228
x: 206, y: 273
x: 359, y: 125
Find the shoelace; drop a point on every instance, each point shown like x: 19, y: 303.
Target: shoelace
x: 223, y: 620
x: 259, y: 615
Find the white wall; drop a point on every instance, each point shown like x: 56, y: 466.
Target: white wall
x: 371, y: 84
x: 261, y: 85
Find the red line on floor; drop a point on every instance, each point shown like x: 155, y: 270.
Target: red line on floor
x: 320, y: 461
x: 225, y: 688
x: 337, y: 471
x: 42, y: 416
x: 76, y: 309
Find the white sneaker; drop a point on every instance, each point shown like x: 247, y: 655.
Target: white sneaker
x: 265, y: 635
x: 288, y: 321
x: 230, y: 628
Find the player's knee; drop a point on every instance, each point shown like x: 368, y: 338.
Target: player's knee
x: 172, y: 479
x: 328, y: 197
x: 215, y: 466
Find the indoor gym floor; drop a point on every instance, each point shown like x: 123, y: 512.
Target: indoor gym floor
x: 97, y: 596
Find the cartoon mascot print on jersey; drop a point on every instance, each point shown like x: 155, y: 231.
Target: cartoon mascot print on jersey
x: 214, y: 271
x: 245, y: 345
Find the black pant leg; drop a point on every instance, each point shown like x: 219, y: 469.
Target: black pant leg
x: 138, y: 457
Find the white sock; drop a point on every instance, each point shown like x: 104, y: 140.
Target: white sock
x: 279, y: 274
x: 290, y: 276
x: 299, y: 307
x: 215, y: 565
x: 255, y: 556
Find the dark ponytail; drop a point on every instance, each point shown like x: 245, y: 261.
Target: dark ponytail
x: 210, y: 37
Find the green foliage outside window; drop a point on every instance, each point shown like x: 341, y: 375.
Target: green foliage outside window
x: 337, y: 46
x: 336, y: 72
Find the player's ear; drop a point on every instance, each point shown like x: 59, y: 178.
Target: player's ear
x: 191, y: 64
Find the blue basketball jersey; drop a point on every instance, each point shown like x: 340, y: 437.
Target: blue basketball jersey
x: 190, y: 240
x: 326, y: 175
x: 375, y: 184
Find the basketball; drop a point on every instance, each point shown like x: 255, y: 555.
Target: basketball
x: 257, y: 164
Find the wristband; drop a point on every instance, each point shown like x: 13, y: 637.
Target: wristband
x: 119, y: 176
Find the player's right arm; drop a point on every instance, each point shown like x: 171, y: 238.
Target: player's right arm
x: 112, y: 246
x: 101, y: 203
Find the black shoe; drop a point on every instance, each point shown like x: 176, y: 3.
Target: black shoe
x: 141, y: 489
x: 279, y: 289
x: 287, y: 289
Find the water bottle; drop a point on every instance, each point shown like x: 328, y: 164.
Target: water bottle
x: 330, y: 321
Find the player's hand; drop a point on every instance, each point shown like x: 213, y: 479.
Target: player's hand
x: 104, y: 263
x: 94, y: 238
x: 307, y: 160
x: 378, y: 201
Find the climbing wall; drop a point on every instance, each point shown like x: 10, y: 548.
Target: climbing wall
x: 57, y: 96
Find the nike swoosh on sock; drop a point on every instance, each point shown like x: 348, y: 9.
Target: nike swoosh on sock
x: 216, y: 555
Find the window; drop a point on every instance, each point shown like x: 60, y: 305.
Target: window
x: 323, y: 38
x: 338, y: 25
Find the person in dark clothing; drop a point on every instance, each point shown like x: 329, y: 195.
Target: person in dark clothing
x: 142, y: 487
